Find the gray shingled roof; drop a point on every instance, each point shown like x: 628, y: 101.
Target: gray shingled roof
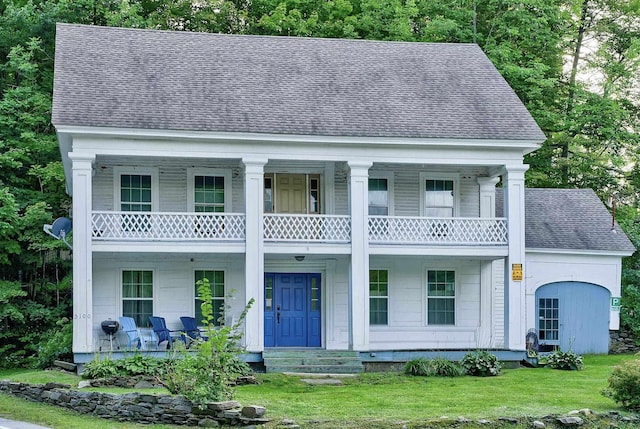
x: 114, y: 77
x: 571, y: 219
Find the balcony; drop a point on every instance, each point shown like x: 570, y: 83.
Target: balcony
x: 154, y: 226
x: 289, y: 228
x: 438, y: 231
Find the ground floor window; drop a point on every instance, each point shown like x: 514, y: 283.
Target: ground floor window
x: 378, y: 297
x: 216, y: 282
x: 548, y: 319
x: 441, y: 297
x: 137, y: 295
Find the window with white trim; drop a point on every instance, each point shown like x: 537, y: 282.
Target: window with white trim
x: 441, y: 297
x: 136, y: 192
x: 378, y: 196
x: 439, y: 198
x: 137, y: 295
x: 209, y: 190
x: 378, y: 297
x: 216, y: 283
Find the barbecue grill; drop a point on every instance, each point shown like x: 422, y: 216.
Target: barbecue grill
x: 110, y: 327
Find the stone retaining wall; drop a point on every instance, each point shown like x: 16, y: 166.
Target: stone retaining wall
x: 622, y: 342
x: 138, y: 407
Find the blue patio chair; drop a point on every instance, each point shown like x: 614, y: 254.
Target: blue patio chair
x: 163, y: 333
x: 191, y: 330
x: 128, y: 326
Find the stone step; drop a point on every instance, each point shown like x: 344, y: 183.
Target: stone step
x: 287, y: 353
x: 317, y: 369
x: 313, y: 360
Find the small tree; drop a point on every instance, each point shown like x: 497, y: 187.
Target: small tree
x: 206, y: 375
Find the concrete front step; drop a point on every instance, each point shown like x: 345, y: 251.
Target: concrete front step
x: 312, y: 361
x: 317, y: 369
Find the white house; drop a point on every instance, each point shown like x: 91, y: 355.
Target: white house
x: 348, y: 186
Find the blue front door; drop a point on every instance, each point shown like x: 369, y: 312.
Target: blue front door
x: 292, y: 310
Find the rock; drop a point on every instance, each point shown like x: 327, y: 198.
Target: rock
x: 508, y: 420
x: 253, y: 411
x: 84, y: 384
x: 288, y: 422
x: 585, y: 412
x: 573, y: 413
x: 208, y: 423
x: 484, y: 422
x: 143, y: 384
x: 461, y: 419
x: 325, y: 381
x: 538, y: 424
x: 223, y: 406
x: 570, y: 421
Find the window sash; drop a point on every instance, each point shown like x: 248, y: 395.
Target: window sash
x: 378, y: 297
x: 548, y: 319
x: 439, y: 197
x: 137, y: 295
x: 441, y: 304
x: 216, y: 282
x: 208, y: 193
x: 378, y: 197
x: 135, y: 192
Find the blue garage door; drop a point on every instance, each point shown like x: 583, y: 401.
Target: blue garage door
x: 574, y: 316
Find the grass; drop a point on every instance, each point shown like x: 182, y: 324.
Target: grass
x: 375, y: 399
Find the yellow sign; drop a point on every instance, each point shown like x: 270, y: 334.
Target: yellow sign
x: 516, y: 272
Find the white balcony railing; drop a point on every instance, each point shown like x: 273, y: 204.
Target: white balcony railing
x: 447, y: 231
x: 107, y: 225
x: 147, y: 226
x: 307, y: 228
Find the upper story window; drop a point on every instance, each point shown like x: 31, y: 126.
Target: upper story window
x: 136, y: 189
x: 209, y: 190
x: 439, y: 196
x: 378, y: 197
x: 381, y: 194
x: 135, y: 192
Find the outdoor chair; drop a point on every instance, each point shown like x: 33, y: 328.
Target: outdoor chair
x: 163, y: 333
x: 191, y: 330
x: 129, y: 327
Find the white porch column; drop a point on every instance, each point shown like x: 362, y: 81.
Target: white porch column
x: 254, y: 251
x: 515, y: 291
x: 486, y: 337
x: 82, y: 257
x: 359, y: 287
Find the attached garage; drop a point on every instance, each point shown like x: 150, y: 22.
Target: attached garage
x: 573, y: 316
x: 573, y: 268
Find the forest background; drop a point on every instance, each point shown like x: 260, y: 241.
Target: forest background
x: 574, y: 63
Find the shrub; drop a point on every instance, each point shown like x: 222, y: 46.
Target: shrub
x: 445, y: 368
x: 418, y: 367
x: 56, y: 344
x: 481, y: 363
x: 440, y: 367
x: 568, y: 360
x: 206, y: 375
x: 100, y: 368
x: 624, y: 384
x: 141, y: 365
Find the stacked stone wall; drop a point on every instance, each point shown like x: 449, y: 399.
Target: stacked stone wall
x: 138, y: 407
x: 622, y: 342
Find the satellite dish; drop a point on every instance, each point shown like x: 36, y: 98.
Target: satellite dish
x: 59, y: 229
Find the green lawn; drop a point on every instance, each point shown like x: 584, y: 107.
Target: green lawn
x: 377, y: 399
